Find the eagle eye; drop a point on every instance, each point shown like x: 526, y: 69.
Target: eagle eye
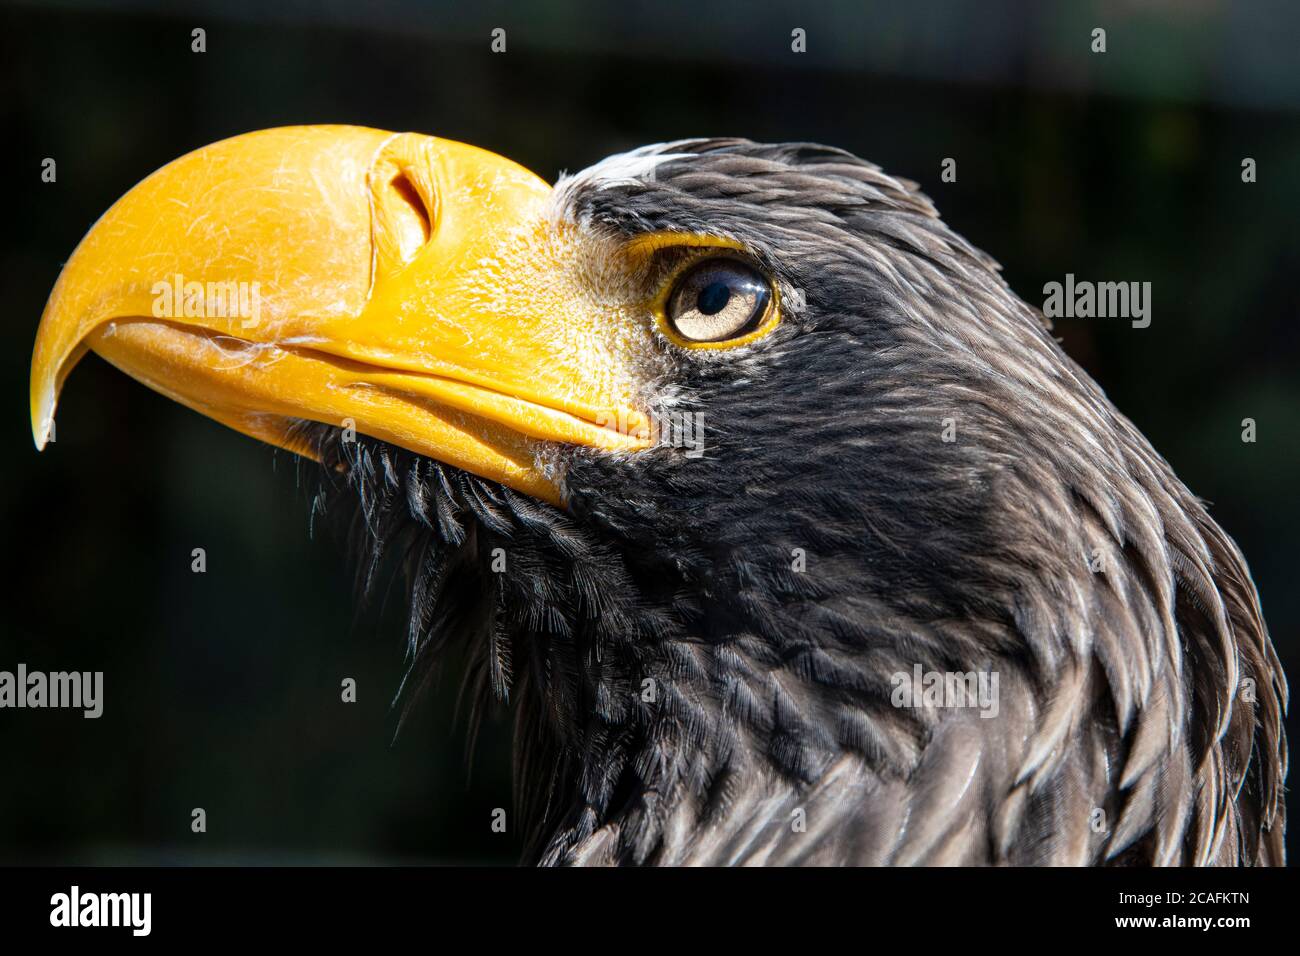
x: 718, y: 299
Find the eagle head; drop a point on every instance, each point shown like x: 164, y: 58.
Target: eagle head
x: 723, y: 465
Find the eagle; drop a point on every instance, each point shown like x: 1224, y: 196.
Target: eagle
x: 784, y: 530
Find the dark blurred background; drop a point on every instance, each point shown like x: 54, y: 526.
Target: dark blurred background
x: 222, y: 689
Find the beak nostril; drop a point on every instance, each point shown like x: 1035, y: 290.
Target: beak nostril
x: 411, y: 219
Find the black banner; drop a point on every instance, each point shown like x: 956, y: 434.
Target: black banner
x: 936, y: 908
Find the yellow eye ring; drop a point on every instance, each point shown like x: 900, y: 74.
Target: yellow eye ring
x: 736, y: 282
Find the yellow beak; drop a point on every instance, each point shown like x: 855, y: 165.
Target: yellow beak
x: 401, y: 285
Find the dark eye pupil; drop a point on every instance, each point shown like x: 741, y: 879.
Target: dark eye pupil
x: 713, y: 298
